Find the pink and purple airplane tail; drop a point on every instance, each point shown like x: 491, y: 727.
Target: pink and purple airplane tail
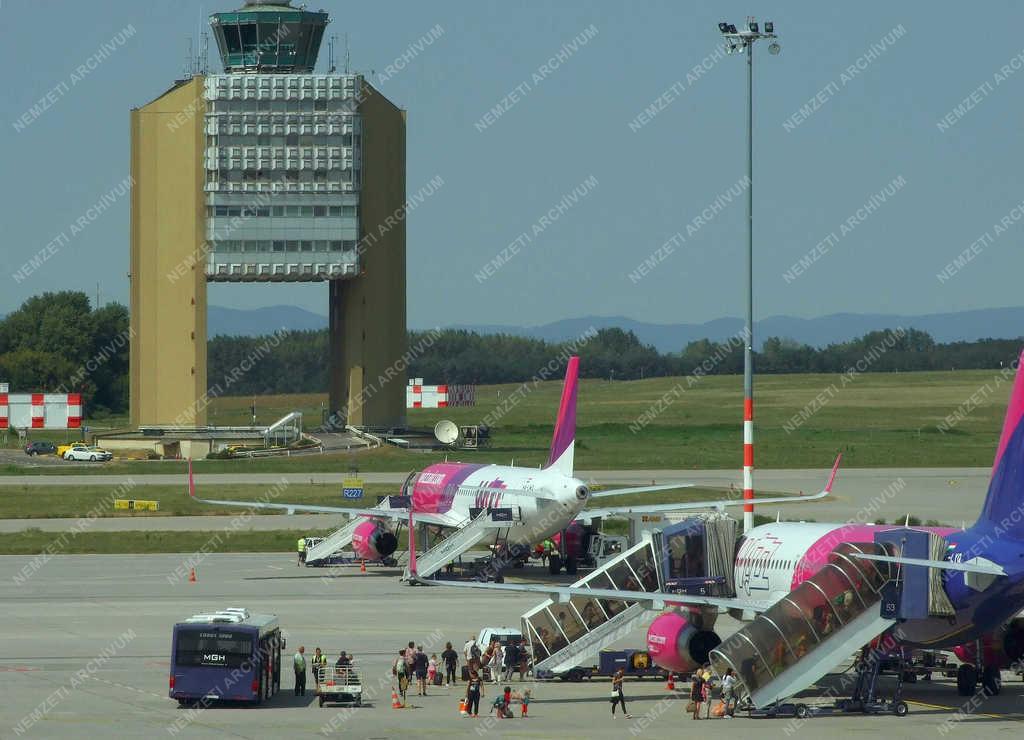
x: 564, y: 438
x: 1004, y: 504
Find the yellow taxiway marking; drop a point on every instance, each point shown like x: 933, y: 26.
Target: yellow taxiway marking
x: 941, y: 706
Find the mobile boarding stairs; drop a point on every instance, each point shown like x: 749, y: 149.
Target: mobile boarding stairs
x: 840, y: 610
x: 564, y: 636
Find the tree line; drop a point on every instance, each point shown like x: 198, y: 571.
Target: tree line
x: 57, y: 342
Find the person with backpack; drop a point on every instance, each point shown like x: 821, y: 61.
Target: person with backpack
x: 511, y: 660
x: 451, y: 662
x: 400, y: 671
x: 474, y: 693
x: 420, y: 665
x: 729, y: 693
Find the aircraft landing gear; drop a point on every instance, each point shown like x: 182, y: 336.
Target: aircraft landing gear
x: 554, y: 564
x: 991, y: 681
x: 966, y: 680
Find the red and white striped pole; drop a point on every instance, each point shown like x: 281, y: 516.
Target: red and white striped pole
x: 748, y: 347
x: 748, y: 464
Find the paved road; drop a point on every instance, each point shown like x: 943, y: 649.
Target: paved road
x: 949, y: 495
x: 85, y: 653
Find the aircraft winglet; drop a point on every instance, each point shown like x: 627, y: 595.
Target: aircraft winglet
x: 835, y: 469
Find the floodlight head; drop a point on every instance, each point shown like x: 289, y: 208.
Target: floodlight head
x: 774, y: 48
x: 732, y: 28
x: 723, y: 27
x: 769, y: 27
x: 752, y: 25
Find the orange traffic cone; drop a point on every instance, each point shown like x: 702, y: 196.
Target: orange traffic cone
x: 671, y: 685
x: 362, y: 566
x: 462, y: 708
x: 192, y: 576
x: 395, y: 703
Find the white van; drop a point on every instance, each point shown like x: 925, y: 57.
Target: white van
x: 504, y: 635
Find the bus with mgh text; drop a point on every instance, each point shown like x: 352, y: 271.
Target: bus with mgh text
x: 228, y: 655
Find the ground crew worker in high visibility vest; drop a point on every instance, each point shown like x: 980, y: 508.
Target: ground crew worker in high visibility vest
x: 549, y: 546
x: 319, y: 663
x: 302, y: 551
x: 299, y: 661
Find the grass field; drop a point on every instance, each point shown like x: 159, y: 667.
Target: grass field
x: 96, y: 501
x: 36, y: 542
x: 876, y: 420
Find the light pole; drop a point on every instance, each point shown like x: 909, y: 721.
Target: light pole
x: 743, y: 41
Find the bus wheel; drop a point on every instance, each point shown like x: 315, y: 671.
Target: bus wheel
x: 321, y: 699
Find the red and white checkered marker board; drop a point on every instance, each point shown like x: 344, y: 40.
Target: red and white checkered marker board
x: 419, y: 396
x: 426, y: 396
x: 40, y: 410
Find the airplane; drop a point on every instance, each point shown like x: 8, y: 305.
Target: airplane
x: 981, y: 574
x: 448, y: 495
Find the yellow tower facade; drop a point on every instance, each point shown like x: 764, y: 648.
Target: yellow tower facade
x: 167, y: 268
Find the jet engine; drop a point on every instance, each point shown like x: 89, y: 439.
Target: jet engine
x: 372, y: 540
x: 681, y: 640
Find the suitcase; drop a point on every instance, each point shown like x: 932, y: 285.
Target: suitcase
x: 465, y: 673
x: 438, y: 679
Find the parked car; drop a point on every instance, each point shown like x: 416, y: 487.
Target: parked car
x: 92, y: 454
x: 62, y: 450
x: 40, y: 448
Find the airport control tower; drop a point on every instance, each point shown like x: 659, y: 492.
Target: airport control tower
x: 268, y: 173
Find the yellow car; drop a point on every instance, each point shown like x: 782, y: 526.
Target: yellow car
x: 62, y: 449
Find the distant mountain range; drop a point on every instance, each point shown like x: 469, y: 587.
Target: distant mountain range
x: 1001, y: 323
x: 254, y: 322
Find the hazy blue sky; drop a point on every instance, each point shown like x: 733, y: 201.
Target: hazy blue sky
x: 573, y: 123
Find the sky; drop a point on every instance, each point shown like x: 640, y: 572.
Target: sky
x: 886, y: 144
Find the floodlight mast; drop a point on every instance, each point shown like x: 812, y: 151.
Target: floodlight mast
x: 743, y: 40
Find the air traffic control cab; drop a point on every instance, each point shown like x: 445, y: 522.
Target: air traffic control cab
x: 267, y: 173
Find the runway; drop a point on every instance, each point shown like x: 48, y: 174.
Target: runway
x: 112, y: 616
x: 949, y: 495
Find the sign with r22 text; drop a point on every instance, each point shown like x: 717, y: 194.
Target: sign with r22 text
x: 352, y: 488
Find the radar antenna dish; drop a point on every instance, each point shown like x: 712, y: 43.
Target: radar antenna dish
x: 446, y: 432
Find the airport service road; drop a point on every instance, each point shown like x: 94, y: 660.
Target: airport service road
x: 949, y: 495
x: 111, y: 615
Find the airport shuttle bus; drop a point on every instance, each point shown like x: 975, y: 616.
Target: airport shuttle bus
x: 230, y: 655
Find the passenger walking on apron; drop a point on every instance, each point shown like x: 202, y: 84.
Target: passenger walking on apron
x: 474, y: 692
x: 697, y: 692
x: 617, y: 697
x: 451, y: 662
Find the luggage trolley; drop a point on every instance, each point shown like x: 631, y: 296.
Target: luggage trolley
x: 340, y: 685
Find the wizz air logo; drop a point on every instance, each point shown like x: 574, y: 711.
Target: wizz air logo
x: 489, y: 499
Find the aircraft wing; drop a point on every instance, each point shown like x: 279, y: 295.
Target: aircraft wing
x: 640, y: 489
x: 656, y: 508
x: 401, y: 514
x: 654, y: 600
x: 720, y: 505
x: 976, y: 566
